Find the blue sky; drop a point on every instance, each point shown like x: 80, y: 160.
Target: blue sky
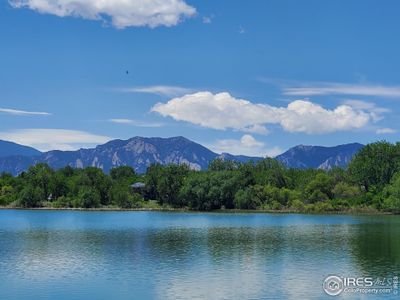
x: 249, y: 77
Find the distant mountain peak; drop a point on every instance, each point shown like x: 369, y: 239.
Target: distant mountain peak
x: 10, y: 149
x: 319, y: 157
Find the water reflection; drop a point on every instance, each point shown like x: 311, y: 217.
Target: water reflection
x: 183, y: 256
x: 376, y: 248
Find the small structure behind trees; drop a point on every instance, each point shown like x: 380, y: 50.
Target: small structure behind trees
x: 139, y: 188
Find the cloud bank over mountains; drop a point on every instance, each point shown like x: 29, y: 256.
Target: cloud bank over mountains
x: 51, y: 139
x: 246, y: 145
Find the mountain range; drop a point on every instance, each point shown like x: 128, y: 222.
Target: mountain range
x: 140, y: 152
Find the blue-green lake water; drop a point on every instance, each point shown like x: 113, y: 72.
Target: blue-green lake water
x: 156, y: 255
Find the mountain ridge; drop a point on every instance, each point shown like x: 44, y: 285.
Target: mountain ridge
x: 139, y: 152
x: 8, y: 148
x: 319, y: 157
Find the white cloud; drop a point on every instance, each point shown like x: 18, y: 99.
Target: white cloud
x: 343, y: 89
x: 370, y: 106
x: 136, y: 123
x: 23, y: 112
x: 386, y: 131
x: 376, y: 111
x: 163, y: 90
x: 308, y: 117
x: 53, y: 139
x: 247, y: 145
x: 222, y: 111
x: 121, y: 13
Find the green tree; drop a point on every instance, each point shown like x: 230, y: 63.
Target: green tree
x: 271, y: 172
x: 88, y: 198
x: 125, y: 173
x: 249, y: 198
x: 96, y: 179
x: 220, y: 164
x: 170, y: 182
x: 121, y: 196
x: 282, y: 196
x: 153, y: 173
x: 320, y: 188
x: 246, y: 174
x: 227, y: 183
x: 63, y: 202
x: 391, y: 194
x: 195, y: 192
x: 40, y: 176
x: 374, y: 165
x: 58, y: 185
x: 6, y: 195
x: 30, y: 196
x: 343, y: 190
x: 210, y: 190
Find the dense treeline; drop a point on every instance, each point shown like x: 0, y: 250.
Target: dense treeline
x: 69, y: 187
x: 372, y: 181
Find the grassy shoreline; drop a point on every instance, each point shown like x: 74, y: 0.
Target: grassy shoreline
x: 353, y: 211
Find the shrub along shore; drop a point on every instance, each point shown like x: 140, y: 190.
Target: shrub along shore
x: 371, y: 184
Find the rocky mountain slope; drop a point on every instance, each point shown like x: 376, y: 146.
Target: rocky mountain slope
x: 319, y: 157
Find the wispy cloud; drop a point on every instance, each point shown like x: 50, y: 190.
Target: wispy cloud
x: 207, y: 20
x: 53, y: 139
x: 386, y: 131
x: 315, y: 89
x: 163, y: 90
x: 120, y: 13
x: 18, y: 112
x: 136, y: 123
x: 375, y: 110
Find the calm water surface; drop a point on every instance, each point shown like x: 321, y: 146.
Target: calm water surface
x: 154, y: 255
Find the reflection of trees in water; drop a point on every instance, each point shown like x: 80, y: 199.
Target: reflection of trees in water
x: 71, y: 251
x: 376, y: 248
x: 241, y: 243
x: 217, y: 243
x: 43, y: 254
x: 302, y: 242
x: 172, y: 243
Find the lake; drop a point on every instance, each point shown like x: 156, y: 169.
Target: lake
x: 159, y: 255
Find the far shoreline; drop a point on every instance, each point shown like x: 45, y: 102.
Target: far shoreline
x: 356, y: 212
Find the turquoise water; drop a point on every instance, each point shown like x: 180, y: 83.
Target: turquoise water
x: 156, y: 255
